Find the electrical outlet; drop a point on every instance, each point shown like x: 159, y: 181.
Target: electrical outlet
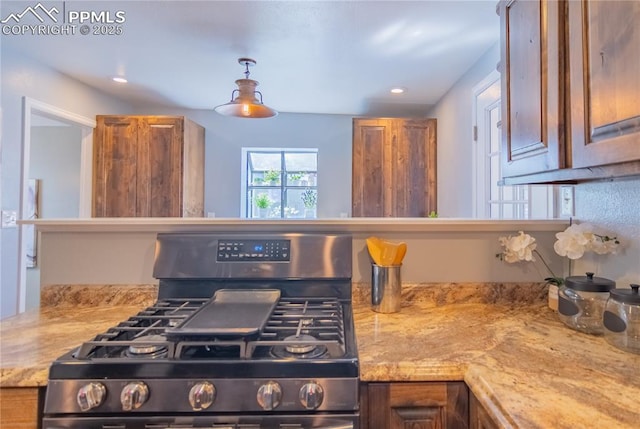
x: 566, y: 201
x: 9, y: 218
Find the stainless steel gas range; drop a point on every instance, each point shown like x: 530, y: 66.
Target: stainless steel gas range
x: 249, y: 331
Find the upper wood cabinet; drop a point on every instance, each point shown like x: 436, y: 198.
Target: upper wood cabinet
x: 532, y: 86
x: 604, y: 37
x: 394, y: 167
x: 570, y: 90
x: 148, y: 166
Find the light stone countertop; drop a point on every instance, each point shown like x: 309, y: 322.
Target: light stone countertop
x: 526, y: 368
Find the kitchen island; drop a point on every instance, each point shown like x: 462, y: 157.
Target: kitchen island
x: 526, y: 369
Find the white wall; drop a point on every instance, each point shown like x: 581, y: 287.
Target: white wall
x: 23, y: 77
x: 455, y: 154
x: 55, y: 160
x: 225, y: 137
x: 614, y: 207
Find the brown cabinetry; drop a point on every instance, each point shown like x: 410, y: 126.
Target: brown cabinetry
x: 570, y: 90
x: 605, y: 81
x: 394, y: 167
x: 428, y: 405
x: 478, y: 416
x: 532, y: 87
x: 20, y: 407
x: 148, y: 166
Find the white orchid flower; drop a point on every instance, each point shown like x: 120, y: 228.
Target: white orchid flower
x: 577, y: 239
x: 518, y: 248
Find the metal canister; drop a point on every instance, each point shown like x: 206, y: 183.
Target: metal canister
x: 386, y: 288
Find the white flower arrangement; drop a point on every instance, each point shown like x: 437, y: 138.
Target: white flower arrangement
x: 573, y: 242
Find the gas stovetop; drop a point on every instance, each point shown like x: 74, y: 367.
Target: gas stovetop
x: 300, y: 334
x: 244, y: 324
x: 298, y: 328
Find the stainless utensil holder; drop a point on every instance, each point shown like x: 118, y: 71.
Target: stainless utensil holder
x: 386, y: 288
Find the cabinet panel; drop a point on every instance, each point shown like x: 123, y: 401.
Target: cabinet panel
x: 368, y: 158
x: 478, y: 416
x: 416, y: 405
x: 148, y: 166
x: 532, y: 88
x: 115, y: 170
x: 394, y: 167
x: 20, y: 407
x: 605, y: 87
x: 159, y: 167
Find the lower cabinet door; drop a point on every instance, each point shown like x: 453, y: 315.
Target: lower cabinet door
x: 20, y: 407
x: 428, y: 405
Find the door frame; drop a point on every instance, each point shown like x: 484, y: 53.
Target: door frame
x: 478, y: 169
x: 29, y: 107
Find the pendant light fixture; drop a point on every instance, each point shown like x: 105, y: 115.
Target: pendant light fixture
x: 246, y: 104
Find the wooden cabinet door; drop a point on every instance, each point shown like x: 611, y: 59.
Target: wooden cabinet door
x: 394, y: 167
x: 532, y: 67
x: 115, y: 172
x: 416, y: 406
x: 478, y: 416
x: 20, y: 407
x: 370, y: 137
x: 605, y: 81
x: 159, y: 167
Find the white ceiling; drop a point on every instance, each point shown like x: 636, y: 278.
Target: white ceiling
x: 338, y: 57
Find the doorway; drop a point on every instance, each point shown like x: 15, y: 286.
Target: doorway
x: 493, y: 201
x: 57, y: 151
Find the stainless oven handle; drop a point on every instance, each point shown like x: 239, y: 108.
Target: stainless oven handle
x: 340, y: 426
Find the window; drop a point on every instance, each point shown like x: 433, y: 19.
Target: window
x: 280, y: 183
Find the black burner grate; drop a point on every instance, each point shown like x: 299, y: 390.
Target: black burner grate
x: 299, y: 328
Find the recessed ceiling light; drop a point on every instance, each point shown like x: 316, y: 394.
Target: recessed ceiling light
x: 397, y: 90
x: 119, y: 79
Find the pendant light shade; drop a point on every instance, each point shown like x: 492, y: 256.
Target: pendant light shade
x: 246, y: 104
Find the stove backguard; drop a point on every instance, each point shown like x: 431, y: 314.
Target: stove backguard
x: 251, y: 257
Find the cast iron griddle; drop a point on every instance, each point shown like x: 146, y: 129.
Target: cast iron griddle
x: 230, y: 312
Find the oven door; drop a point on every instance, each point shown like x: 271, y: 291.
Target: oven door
x: 333, y: 421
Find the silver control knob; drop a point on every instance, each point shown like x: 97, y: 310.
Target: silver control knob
x: 269, y: 395
x: 91, y: 396
x: 202, y: 395
x: 311, y: 395
x: 133, y: 395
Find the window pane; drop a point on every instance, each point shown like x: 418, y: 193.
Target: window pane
x: 507, y: 193
x: 495, y: 211
x: 301, y: 161
x: 265, y: 203
x: 264, y: 161
x: 507, y: 211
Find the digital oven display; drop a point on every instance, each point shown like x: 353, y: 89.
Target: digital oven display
x: 253, y: 250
